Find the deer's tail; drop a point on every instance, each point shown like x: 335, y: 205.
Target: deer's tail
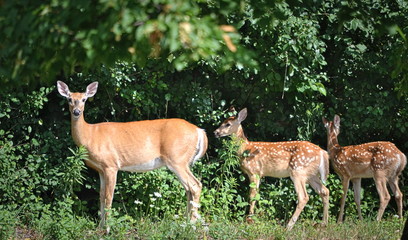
x: 202, y: 144
x: 324, y: 165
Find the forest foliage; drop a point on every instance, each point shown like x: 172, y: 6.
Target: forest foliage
x: 288, y: 62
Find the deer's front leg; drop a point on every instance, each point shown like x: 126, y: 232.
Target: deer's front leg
x: 254, y: 179
x: 345, y: 182
x: 357, y: 195
x: 108, y: 182
x: 102, y: 199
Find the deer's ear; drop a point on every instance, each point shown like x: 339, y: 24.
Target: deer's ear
x: 91, y: 89
x: 63, y: 89
x: 242, y: 115
x: 325, y: 122
x: 231, y: 109
x: 336, y: 121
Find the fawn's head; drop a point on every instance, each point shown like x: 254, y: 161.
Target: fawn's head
x: 332, y: 127
x: 231, y: 124
x: 77, y: 100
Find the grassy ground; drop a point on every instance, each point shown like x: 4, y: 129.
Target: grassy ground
x: 128, y: 228
x: 389, y: 229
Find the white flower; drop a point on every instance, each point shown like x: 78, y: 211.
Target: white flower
x: 138, y: 202
x: 157, y: 194
x: 197, y: 215
x: 194, y: 204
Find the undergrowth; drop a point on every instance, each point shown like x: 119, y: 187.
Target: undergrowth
x: 173, y: 227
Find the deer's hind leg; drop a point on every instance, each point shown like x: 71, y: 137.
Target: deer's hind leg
x: 324, y: 193
x: 397, y: 194
x: 193, y: 189
x: 381, y: 184
x: 299, y: 181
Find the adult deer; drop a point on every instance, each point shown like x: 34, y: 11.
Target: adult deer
x: 382, y: 161
x: 137, y: 147
x: 302, y: 161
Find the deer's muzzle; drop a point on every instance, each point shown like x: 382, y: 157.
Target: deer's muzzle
x: 217, y: 133
x: 76, y: 112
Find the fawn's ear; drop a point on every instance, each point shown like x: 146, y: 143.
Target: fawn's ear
x: 231, y: 109
x: 63, y: 89
x: 336, y: 121
x: 325, y: 122
x: 91, y: 89
x: 242, y: 115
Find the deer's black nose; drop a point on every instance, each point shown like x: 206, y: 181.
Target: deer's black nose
x: 76, y: 112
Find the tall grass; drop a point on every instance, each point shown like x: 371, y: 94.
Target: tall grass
x: 170, y: 227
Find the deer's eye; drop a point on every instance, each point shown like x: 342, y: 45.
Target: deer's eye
x: 70, y: 100
x: 228, y: 125
x: 83, y: 99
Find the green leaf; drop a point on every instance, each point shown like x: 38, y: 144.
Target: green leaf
x: 35, y: 142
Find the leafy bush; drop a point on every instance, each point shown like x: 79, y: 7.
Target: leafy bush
x: 60, y: 222
x: 224, y: 198
x: 313, y: 60
x: 8, y: 223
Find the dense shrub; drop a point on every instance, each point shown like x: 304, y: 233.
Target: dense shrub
x: 311, y: 62
x: 41, y: 168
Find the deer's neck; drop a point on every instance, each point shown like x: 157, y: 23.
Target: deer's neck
x: 243, y: 140
x: 241, y: 135
x: 332, y: 144
x: 80, y: 131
